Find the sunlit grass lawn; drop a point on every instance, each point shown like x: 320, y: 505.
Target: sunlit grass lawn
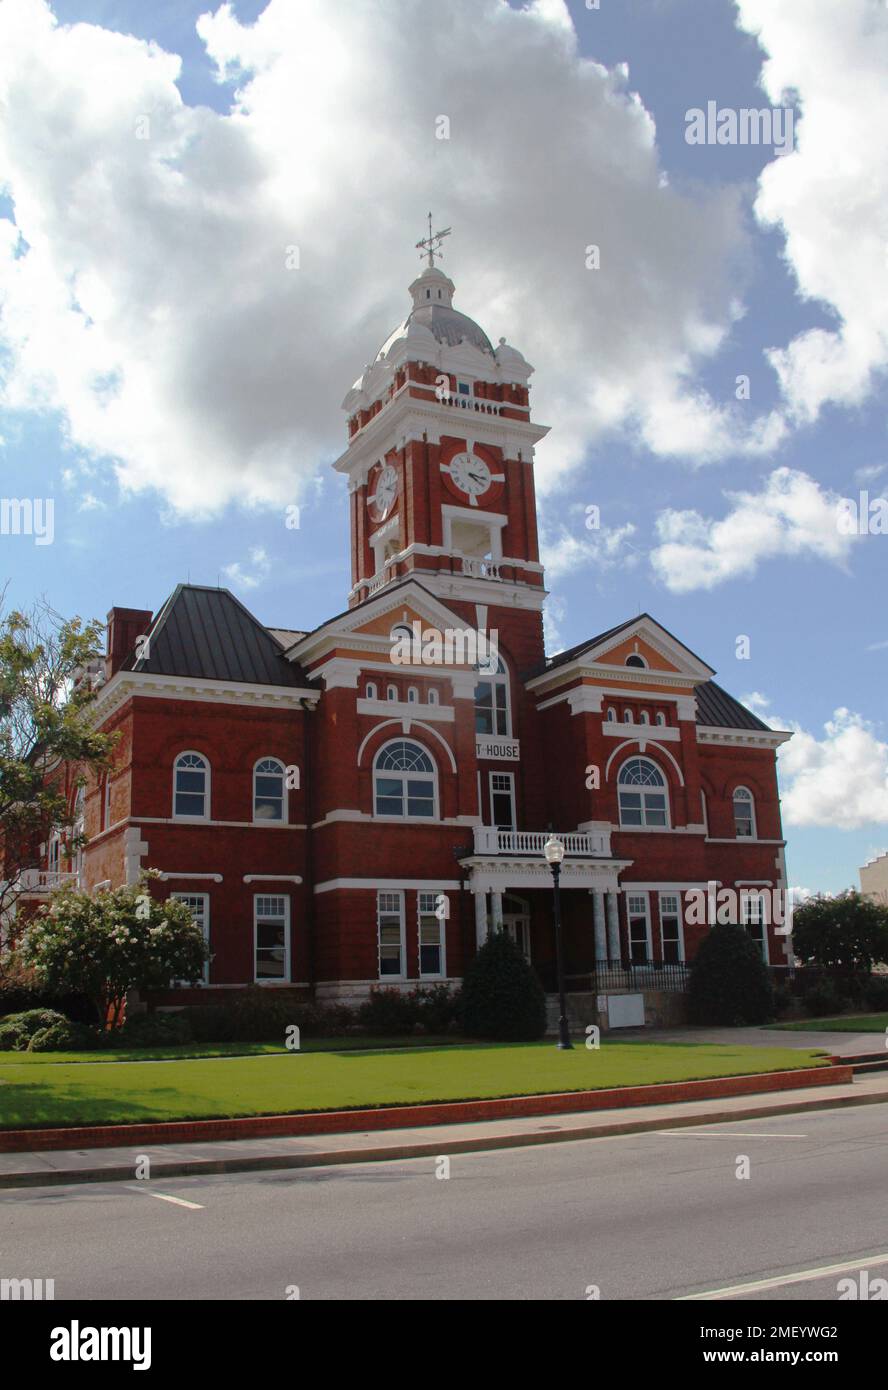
x: 846, y: 1023
x: 62, y: 1093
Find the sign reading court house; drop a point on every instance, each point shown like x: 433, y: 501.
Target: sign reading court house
x: 506, y: 750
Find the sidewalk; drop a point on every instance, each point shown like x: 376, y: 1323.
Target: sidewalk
x: 64, y: 1166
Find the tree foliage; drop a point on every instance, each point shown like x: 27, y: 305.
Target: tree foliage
x: 849, y: 932
x: 117, y: 940
x: 45, y: 724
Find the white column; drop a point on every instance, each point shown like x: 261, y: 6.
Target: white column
x: 598, y: 920
x: 480, y: 919
x: 613, y: 927
x: 496, y: 910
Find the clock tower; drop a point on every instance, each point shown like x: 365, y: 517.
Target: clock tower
x: 440, y: 463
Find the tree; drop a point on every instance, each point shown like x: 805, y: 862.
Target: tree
x: 730, y: 983
x: 120, y: 939
x: 502, y: 995
x: 849, y: 932
x: 45, y: 725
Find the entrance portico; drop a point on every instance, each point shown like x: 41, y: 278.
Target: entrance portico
x: 509, y: 861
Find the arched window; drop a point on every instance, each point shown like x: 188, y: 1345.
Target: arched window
x: 106, y: 802
x: 661, y: 718
x: 645, y: 717
x: 269, y: 790
x: 432, y: 697
x: 191, y: 786
x: 492, y: 707
x: 627, y: 717
x: 643, y: 794
x: 612, y: 715
x: 370, y: 691
x: 404, y: 781
x: 744, y: 814
x: 391, y: 692
x: 636, y: 660
x: 412, y: 695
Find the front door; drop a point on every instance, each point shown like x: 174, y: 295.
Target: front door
x: 516, y: 921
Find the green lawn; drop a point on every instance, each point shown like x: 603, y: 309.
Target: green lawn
x: 60, y: 1093
x: 184, y: 1051
x: 846, y: 1023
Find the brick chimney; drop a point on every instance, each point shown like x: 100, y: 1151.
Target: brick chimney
x: 124, y: 626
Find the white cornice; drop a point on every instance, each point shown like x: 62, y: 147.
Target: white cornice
x: 125, y: 685
x: 746, y: 738
x: 405, y: 418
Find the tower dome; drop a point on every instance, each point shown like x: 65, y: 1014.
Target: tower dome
x: 433, y: 309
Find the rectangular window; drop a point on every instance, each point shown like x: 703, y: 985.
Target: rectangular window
x: 639, y: 928
x: 491, y: 707
x: 390, y: 924
x: 200, y: 911
x: 431, y: 935
x: 272, y: 937
x: 671, y: 936
x: 753, y: 918
x: 502, y: 800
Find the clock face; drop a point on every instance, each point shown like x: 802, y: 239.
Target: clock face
x: 383, y: 499
x: 471, y: 475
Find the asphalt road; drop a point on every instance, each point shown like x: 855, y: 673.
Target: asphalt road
x: 649, y: 1216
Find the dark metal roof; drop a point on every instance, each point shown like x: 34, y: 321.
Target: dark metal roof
x: 718, y: 709
x: 562, y: 658
x: 208, y: 633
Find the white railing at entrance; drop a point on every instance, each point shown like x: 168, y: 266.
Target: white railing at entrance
x: 489, y: 840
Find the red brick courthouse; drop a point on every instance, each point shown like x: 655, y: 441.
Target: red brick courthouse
x: 363, y: 803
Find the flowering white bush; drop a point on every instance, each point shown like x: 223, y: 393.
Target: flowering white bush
x: 104, y: 944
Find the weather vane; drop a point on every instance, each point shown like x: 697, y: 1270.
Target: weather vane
x: 431, y: 246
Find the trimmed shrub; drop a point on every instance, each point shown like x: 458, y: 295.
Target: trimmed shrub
x: 823, y: 1000
x: 876, y: 994
x: 16, y: 1030
x: 502, y: 996
x: 21, y: 998
x: 730, y: 984
x: 152, y: 1030
x: 66, y: 1036
x: 258, y: 1016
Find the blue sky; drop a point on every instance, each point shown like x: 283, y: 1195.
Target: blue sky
x: 707, y: 285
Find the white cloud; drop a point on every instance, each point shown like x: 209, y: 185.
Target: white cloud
x: 840, y: 780
x: 791, y: 516
x: 148, y: 300
x: 829, y: 197
x: 242, y: 577
x: 604, y: 549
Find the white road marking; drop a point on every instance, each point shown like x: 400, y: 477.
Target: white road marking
x: 725, y: 1134
x: 163, y: 1197
x: 802, y: 1277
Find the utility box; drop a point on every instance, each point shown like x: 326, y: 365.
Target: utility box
x: 625, y: 1010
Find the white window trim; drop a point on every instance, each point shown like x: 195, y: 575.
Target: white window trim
x: 497, y: 678
x: 287, y: 939
x: 752, y: 815
x: 677, y: 894
x: 433, y: 819
x: 370, y: 692
x: 391, y: 694
x: 634, y: 893
x: 511, y: 777
x: 766, y: 952
x: 631, y: 787
x: 442, y: 928
x: 402, y: 975
x: 208, y: 803
x: 285, y: 802
x: 205, y: 897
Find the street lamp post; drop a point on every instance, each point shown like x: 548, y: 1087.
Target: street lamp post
x: 554, y: 852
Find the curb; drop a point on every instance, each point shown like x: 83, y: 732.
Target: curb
x: 407, y: 1116
x: 427, y: 1149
